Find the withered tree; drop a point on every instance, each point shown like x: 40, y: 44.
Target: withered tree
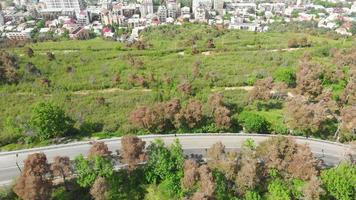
x: 62, y: 167
x: 35, y: 181
x: 307, y: 117
x: 191, y: 115
x: 99, y: 189
x: 249, y: 171
x: 132, y: 151
x: 220, y: 112
x: 262, y: 89
x: 191, y: 173
x: 99, y: 149
x: 225, y: 162
x: 309, y: 79
x: 207, y: 186
x: 148, y: 118
x: 289, y: 158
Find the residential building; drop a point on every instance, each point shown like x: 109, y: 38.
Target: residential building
x: 22, y: 36
x: 162, y: 13
x: 172, y: 9
x: 2, y: 18
x: 200, y: 14
x: 79, y: 33
x: 83, y: 18
x: 219, y: 6
x: 146, y: 8
x: 207, y: 4
x: 105, y: 4
x: 76, y: 5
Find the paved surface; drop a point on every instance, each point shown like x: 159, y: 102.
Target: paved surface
x: 331, y: 153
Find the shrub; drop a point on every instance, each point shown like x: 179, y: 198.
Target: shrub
x: 253, y: 122
x: 340, y: 181
x: 285, y: 75
x: 50, y: 121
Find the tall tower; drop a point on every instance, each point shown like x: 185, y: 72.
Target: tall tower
x: 219, y: 6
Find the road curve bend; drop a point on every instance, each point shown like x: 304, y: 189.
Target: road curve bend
x: 331, y: 152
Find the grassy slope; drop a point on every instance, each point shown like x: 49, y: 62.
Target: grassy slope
x: 238, y: 55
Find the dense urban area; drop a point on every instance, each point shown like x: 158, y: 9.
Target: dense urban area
x: 84, y: 70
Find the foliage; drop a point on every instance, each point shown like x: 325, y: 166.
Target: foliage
x: 165, y: 165
x: 286, y: 75
x: 252, y: 195
x: 253, y: 122
x: 88, y: 170
x: 278, y: 190
x: 340, y: 181
x: 50, y: 121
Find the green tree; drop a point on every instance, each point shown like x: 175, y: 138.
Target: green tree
x: 340, y: 181
x: 223, y: 191
x: 165, y: 165
x: 285, y: 75
x: 278, y: 190
x: 49, y: 121
x: 253, y: 122
x: 252, y: 195
x: 88, y: 170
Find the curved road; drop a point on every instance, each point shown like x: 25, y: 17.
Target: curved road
x: 332, y: 153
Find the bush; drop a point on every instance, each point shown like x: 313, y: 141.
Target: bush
x: 285, y: 75
x: 253, y: 122
x: 49, y: 121
x: 340, y: 181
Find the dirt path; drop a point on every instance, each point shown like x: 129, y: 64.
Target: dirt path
x: 107, y: 91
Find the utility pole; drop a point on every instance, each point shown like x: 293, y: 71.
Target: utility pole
x: 17, y: 164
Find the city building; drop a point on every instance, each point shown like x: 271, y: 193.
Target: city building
x: 172, y: 9
x: 219, y: 6
x: 76, y: 5
x: 105, y: 4
x: 79, y: 33
x: 146, y: 8
x: 83, y: 18
x: 21, y: 36
x: 207, y: 4
x: 162, y: 13
x: 2, y: 18
x: 200, y: 14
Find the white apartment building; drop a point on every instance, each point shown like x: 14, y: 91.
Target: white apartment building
x: 207, y: 4
x: 200, y: 14
x: 75, y: 5
x: 172, y: 9
x: 219, y: 6
x: 146, y: 8
x: 162, y: 13
x: 2, y: 19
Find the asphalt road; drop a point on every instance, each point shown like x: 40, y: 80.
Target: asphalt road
x: 331, y: 153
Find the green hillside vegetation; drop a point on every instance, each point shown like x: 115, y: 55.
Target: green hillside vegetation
x: 99, y: 84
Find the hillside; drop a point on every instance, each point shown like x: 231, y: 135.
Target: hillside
x: 99, y: 84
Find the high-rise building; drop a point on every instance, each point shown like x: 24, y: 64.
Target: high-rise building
x: 146, y: 8
x: 2, y: 18
x: 162, y: 13
x: 200, y: 13
x: 76, y: 5
x: 106, y: 4
x: 207, y: 4
x: 219, y: 6
x: 172, y: 9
